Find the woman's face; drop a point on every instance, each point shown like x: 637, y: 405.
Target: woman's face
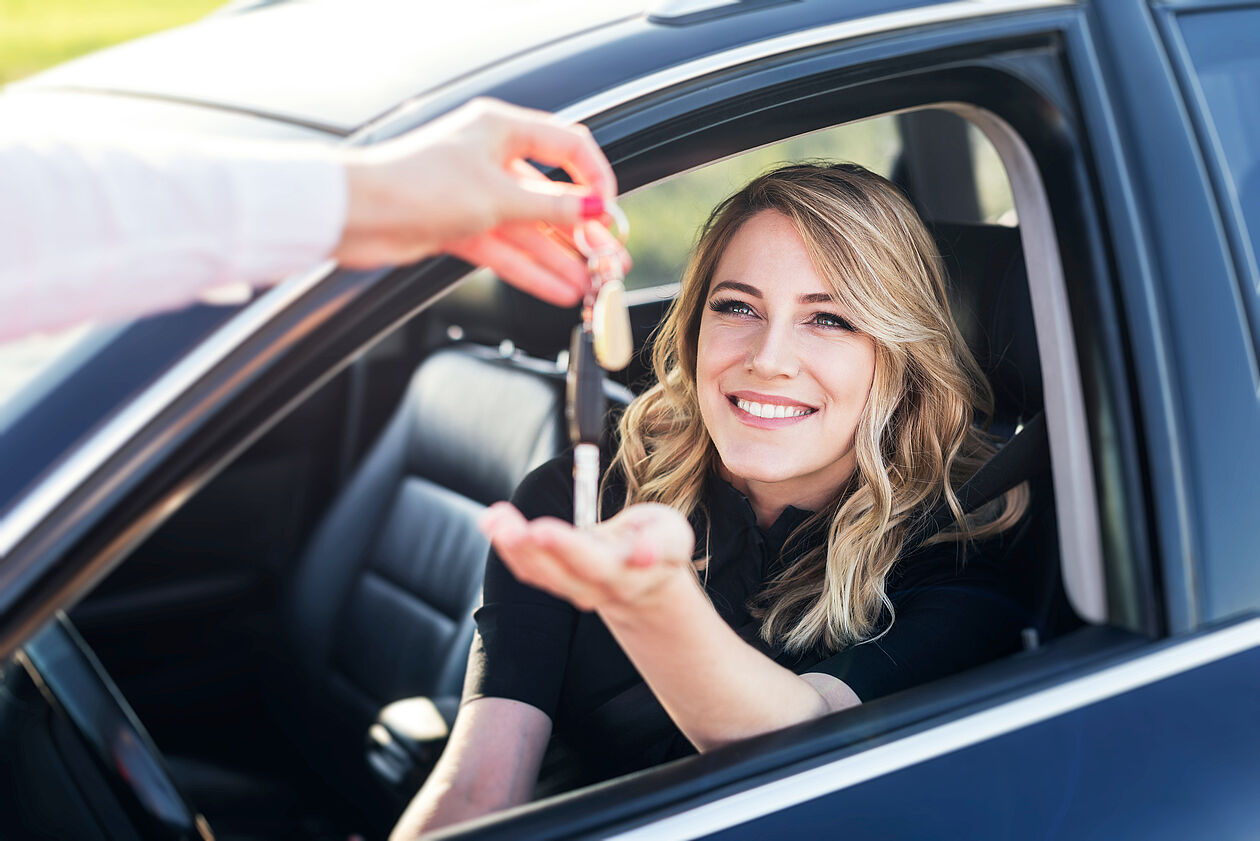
x: 782, y: 376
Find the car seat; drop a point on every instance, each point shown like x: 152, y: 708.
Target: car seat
x: 381, y: 604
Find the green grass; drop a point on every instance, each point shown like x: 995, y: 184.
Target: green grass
x: 36, y: 34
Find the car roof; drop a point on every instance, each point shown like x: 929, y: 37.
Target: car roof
x: 331, y: 64
x: 336, y: 65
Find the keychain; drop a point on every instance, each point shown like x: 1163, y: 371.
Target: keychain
x: 601, y: 342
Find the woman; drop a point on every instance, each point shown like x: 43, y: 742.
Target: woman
x: 814, y: 399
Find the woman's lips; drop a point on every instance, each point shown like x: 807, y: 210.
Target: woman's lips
x: 767, y: 412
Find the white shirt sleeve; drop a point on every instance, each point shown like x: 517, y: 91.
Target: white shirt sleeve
x: 101, y: 231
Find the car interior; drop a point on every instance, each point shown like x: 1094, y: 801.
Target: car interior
x: 294, y: 637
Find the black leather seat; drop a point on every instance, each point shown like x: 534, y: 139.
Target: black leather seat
x: 382, y: 605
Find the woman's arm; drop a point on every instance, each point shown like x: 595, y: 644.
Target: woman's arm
x: 491, y: 762
x: 716, y: 687
x: 633, y: 570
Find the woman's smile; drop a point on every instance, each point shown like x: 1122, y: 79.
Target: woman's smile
x: 763, y: 411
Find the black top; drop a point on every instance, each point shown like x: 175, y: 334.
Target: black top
x: 536, y: 648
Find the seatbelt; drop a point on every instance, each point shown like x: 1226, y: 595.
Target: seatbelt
x: 1024, y: 457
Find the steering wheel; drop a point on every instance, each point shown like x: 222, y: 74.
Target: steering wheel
x: 77, y: 686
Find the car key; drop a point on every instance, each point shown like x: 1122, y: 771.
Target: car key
x: 601, y: 341
x: 584, y: 408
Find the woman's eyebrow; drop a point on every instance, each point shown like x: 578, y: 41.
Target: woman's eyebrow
x: 817, y: 298
x: 749, y: 289
x: 735, y: 285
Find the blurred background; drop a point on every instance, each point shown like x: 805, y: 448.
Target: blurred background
x: 36, y: 34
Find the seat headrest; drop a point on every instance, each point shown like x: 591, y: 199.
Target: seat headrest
x: 988, y: 288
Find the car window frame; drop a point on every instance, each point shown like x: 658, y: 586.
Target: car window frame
x: 1073, y: 445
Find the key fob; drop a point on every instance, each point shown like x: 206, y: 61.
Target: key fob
x: 614, y: 345
x: 584, y: 390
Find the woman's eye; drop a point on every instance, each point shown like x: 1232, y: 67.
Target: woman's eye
x: 827, y: 319
x: 730, y: 307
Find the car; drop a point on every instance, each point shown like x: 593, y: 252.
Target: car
x: 248, y: 525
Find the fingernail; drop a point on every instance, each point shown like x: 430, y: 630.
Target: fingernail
x: 592, y: 207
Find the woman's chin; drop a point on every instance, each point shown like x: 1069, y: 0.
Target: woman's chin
x: 741, y: 472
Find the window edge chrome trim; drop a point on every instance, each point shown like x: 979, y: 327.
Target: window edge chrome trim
x: 964, y: 732
x: 652, y: 294
x: 39, y: 503
x: 845, y: 30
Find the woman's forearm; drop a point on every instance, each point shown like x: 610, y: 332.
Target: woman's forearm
x: 716, y: 687
x: 490, y: 763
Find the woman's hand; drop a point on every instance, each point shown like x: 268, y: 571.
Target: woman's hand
x: 625, y: 563
x: 462, y: 185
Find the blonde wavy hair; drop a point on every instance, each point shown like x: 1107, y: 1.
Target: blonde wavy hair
x: 916, y: 441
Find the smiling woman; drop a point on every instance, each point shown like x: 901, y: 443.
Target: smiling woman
x: 814, y: 401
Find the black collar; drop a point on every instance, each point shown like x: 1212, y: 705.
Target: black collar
x: 730, y: 514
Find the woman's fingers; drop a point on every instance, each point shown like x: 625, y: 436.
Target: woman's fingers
x: 535, y: 134
x: 530, y: 552
x: 617, y: 562
x: 521, y: 269
x: 542, y: 246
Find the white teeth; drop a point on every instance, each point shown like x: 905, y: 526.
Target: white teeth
x: 771, y: 410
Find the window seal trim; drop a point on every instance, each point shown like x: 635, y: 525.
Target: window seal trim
x: 1072, y: 471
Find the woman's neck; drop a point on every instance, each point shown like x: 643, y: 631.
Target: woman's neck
x: 770, y: 499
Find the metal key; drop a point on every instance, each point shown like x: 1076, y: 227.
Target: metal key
x: 584, y: 408
x: 601, y: 341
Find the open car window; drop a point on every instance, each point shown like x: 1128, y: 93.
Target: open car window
x: 1007, y: 179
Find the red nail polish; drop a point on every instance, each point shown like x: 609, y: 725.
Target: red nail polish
x: 592, y: 207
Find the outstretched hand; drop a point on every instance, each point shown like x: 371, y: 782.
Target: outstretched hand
x: 463, y: 185
x: 622, y: 563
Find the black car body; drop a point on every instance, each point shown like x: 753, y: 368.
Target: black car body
x: 205, y: 446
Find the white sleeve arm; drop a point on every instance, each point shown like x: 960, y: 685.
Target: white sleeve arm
x: 98, y: 231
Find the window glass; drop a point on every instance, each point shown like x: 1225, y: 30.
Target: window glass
x: 1222, y: 46
x: 997, y: 205
x: 56, y: 388
x: 27, y: 366
x: 665, y: 218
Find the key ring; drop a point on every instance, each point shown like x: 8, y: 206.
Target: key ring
x: 583, y: 244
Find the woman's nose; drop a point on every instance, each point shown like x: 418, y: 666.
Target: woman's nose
x: 774, y: 352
